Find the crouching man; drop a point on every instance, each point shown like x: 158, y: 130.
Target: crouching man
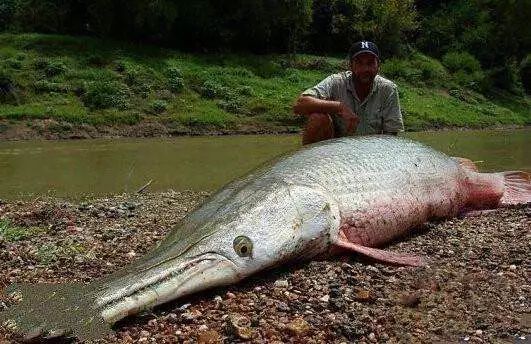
x: 355, y: 102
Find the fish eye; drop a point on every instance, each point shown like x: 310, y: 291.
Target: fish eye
x: 243, y: 246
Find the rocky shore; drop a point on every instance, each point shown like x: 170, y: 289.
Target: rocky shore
x: 475, y: 289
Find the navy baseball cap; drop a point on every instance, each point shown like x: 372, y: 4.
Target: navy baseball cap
x: 363, y: 47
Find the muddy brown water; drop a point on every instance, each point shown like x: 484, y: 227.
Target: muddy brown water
x: 86, y: 168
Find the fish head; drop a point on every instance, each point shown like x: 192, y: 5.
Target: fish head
x: 285, y: 223
x: 261, y: 231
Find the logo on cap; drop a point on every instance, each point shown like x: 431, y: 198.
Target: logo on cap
x: 364, y: 45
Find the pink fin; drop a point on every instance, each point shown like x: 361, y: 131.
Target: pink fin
x: 466, y: 163
x: 517, y: 188
x: 382, y: 255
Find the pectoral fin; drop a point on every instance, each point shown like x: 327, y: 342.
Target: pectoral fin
x: 381, y: 255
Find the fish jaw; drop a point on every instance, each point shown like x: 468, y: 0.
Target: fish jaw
x: 162, y: 284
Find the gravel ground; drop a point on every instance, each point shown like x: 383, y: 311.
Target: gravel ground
x: 476, y: 289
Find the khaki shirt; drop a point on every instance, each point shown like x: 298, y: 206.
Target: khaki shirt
x: 379, y: 112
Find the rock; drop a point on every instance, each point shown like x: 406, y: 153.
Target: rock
x: 230, y: 295
x: 203, y: 327
x: 372, y: 337
x: 240, y: 326
x: 298, y: 327
x: 191, y: 315
x: 325, y: 298
x: 144, y: 334
x: 281, y: 284
x: 363, y: 295
x: 208, y: 337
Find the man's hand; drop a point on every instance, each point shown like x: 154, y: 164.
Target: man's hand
x: 350, y: 118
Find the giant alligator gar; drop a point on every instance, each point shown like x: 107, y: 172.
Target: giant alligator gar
x: 349, y: 194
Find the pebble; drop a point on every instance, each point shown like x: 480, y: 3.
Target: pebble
x: 325, y: 298
x: 372, y: 337
x: 230, y: 295
x: 240, y: 326
x: 281, y: 283
x: 298, y: 327
x: 512, y: 267
x: 478, y: 332
x: 203, y: 327
x: 363, y: 295
x: 208, y: 337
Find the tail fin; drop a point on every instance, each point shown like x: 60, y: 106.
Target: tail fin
x: 517, y: 188
x: 49, y: 309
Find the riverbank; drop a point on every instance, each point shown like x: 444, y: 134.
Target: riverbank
x: 60, y: 87
x: 476, y: 287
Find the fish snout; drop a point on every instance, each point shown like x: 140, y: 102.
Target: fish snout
x: 177, y: 279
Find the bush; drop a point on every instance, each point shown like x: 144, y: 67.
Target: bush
x: 45, y: 86
x: 105, y: 94
x: 465, y: 69
x: 507, y: 78
x: 50, y: 68
x: 7, y: 87
x: 174, y: 72
x: 211, y: 89
x: 461, y: 61
x: 158, y: 106
x: 97, y: 60
x: 175, y: 84
x: 14, y: 63
x: 245, y: 90
x: 525, y: 73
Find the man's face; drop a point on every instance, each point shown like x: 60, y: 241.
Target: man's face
x: 365, y: 67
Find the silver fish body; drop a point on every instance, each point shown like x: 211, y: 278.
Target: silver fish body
x: 292, y: 210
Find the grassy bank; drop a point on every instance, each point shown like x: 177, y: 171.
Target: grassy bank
x: 55, y: 84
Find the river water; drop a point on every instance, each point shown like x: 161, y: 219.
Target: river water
x: 86, y: 168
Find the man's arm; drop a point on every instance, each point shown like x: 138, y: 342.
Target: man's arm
x: 392, y: 115
x: 306, y: 105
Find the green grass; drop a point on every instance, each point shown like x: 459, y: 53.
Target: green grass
x: 11, y: 233
x: 81, y: 80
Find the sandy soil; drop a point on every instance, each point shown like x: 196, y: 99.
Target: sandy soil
x: 476, y: 289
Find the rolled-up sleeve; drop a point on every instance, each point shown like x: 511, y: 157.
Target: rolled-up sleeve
x: 392, y: 116
x: 324, y: 89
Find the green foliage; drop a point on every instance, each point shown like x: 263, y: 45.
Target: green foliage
x: 414, y: 69
x: 221, y: 90
x: 158, y: 106
x: 461, y: 61
x: 45, y: 86
x: 50, y: 67
x: 11, y: 233
x: 466, y: 69
x: 339, y: 23
x: 212, y: 89
x: 7, y: 87
x: 52, y: 252
x: 525, y: 73
x: 104, y: 95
